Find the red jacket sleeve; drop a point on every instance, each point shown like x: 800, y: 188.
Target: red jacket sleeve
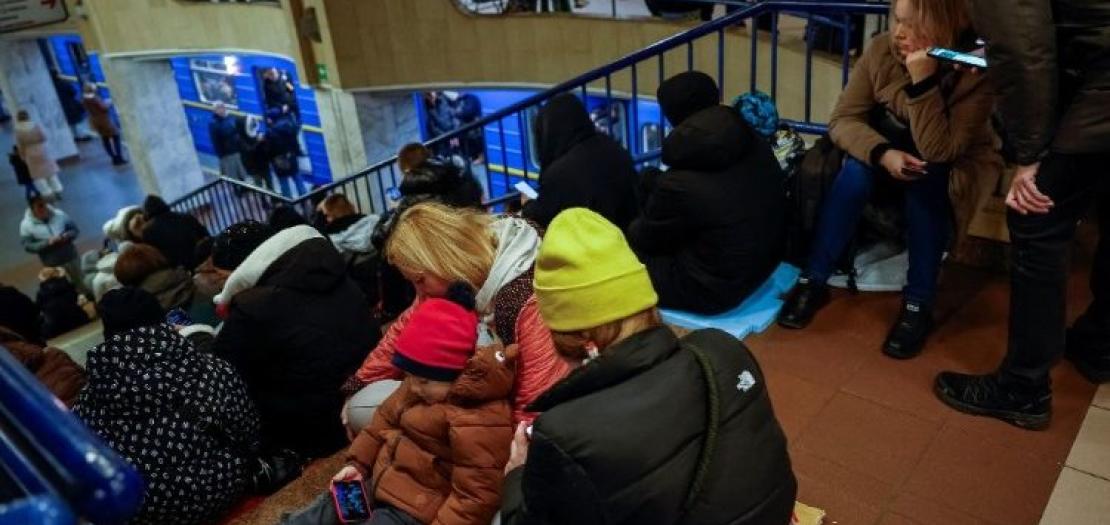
x: 379, y: 364
x: 539, y: 367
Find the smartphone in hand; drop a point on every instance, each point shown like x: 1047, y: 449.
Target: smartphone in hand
x: 957, y: 57
x: 350, y: 501
x: 526, y: 189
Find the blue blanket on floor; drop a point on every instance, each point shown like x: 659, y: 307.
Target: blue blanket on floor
x: 754, y: 315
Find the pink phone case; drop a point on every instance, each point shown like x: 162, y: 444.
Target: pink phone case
x: 335, y: 502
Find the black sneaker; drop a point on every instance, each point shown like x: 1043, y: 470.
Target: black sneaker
x: 1088, y: 348
x: 983, y: 395
x: 802, y: 304
x: 907, y: 336
x: 270, y: 473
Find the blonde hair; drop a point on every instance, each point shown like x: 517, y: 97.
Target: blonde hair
x: 941, y: 21
x: 571, y: 345
x: 448, y: 243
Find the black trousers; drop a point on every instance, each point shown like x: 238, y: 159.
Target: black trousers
x: 1039, y: 271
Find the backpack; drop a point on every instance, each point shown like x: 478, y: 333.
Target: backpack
x: 805, y: 190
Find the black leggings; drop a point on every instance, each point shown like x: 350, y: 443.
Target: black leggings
x: 113, y: 147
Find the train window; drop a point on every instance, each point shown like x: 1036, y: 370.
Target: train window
x: 80, y: 58
x: 215, y: 81
x: 651, y: 137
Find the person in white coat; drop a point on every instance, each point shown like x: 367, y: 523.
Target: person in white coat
x: 31, y: 140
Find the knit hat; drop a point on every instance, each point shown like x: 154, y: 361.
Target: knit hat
x: 232, y: 247
x: 128, y: 308
x: 758, y: 109
x: 685, y: 94
x: 587, y: 275
x: 440, y: 336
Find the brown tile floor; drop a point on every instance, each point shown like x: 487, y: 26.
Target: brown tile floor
x: 870, y: 442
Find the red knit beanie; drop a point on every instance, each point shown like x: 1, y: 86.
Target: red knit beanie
x: 439, y: 337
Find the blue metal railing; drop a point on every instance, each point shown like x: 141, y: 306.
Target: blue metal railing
x: 367, y: 188
x: 61, y: 469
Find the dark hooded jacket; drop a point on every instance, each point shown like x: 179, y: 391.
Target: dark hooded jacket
x: 20, y: 314
x: 295, y: 336
x: 182, y: 417
x: 1050, y: 63
x: 174, y: 234
x: 712, y: 226
x: 580, y: 167
x: 57, y: 298
x: 620, y: 440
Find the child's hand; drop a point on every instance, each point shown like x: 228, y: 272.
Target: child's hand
x: 348, y: 473
x: 518, y: 454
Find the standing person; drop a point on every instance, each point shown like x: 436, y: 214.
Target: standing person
x: 174, y: 234
x: 945, y: 115
x: 1049, y: 62
x: 580, y: 167
x: 48, y: 232
x: 31, y: 141
x: 279, y: 92
x: 712, y: 226
x: 223, y: 131
x: 650, y: 428
x: 100, y: 118
x: 181, y: 417
x: 252, y: 152
x: 282, y: 146
x: 440, y: 121
x: 73, y: 109
x: 22, y: 173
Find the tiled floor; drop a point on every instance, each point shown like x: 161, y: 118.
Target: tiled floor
x: 1082, y: 494
x: 870, y: 442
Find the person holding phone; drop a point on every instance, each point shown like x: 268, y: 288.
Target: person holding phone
x: 1050, y: 61
x: 435, y: 449
x: 905, y: 120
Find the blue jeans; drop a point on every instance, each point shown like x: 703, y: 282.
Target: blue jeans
x: 928, y: 220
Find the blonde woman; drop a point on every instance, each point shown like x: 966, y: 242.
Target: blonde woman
x: 905, y: 121
x: 31, y: 142
x: 651, y: 428
x: 433, y: 246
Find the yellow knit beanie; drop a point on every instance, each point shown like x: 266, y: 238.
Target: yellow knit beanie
x: 587, y: 275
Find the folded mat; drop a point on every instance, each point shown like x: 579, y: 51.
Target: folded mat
x: 754, y: 315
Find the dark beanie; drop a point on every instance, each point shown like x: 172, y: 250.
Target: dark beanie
x: 685, y: 94
x: 128, y: 308
x: 236, y: 243
x: 283, y: 217
x: 153, y: 206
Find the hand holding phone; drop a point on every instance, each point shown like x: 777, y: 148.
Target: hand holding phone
x: 351, y: 503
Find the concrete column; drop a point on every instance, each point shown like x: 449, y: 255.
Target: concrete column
x: 154, y: 126
x: 388, y: 121
x: 342, y: 135
x: 25, y: 81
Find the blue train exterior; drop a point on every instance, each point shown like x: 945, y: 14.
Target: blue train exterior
x: 510, y: 147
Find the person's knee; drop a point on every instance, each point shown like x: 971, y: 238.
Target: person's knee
x: 854, y: 180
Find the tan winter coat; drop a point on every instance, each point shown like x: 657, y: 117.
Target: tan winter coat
x: 32, y: 149
x: 953, y: 130
x: 442, y: 464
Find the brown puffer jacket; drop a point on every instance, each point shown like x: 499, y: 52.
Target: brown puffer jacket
x: 950, y: 123
x: 62, y: 377
x: 442, y: 464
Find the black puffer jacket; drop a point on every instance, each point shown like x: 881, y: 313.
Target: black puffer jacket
x: 174, y: 234
x: 712, y: 227
x: 651, y: 390
x: 1050, y: 62
x: 580, y: 167
x: 295, y: 336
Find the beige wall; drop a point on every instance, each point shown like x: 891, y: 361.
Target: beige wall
x: 115, y: 27
x: 391, y: 44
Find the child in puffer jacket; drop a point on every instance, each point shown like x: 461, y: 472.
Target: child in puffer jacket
x: 435, y: 449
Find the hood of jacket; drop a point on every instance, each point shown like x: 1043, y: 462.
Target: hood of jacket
x: 685, y: 94
x: 488, y: 376
x: 137, y: 369
x: 116, y: 227
x: 561, y: 125
x: 710, y: 140
x: 258, y: 264
x: 356, y: 237
x: 154, y: 206
x: 173, y: 287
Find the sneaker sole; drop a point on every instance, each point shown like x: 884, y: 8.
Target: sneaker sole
x: 1018, y: 419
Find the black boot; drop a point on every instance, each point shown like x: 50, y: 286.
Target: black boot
x: 271, y: 472
x: 802, y: 304
x: 985, y: 395
x: 1088, y: 348
x: 907, y: 336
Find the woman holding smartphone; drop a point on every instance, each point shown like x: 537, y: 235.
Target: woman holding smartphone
x: 922, y: 126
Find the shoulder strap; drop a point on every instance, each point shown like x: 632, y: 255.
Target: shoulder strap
x: 713, y: 422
